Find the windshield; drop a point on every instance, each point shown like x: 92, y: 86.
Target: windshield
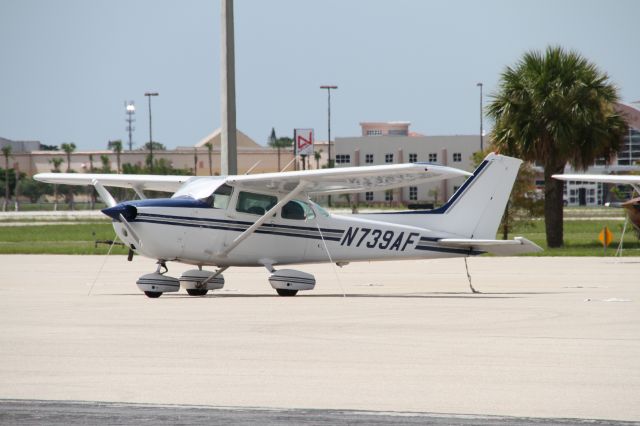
x: 220, y: 197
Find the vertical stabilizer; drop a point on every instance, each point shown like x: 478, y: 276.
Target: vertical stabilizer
x: 475, y: 210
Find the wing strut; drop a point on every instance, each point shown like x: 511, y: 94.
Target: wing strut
x: 139, y: 192
x: 104, y: 194
x: 250, y: 230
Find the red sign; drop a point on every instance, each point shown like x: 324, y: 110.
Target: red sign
x: 304, y: 141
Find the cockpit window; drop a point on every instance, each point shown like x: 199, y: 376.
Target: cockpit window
x: 249, y: 202
x: 220, y: 197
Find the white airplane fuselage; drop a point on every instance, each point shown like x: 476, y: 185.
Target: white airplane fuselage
x: 195, y: 235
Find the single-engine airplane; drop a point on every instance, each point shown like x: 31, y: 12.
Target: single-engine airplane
x: 269, y: 220
x: 631, y: 206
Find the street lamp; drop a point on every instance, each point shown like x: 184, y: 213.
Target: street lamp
x: 329, y: 88
x: 481, y: 132
x: 149, y: 95
x: 130, y: 110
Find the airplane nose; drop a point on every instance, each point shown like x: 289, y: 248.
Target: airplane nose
x: 128, y: 211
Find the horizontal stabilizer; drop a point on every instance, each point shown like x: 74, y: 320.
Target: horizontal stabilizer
x: 518, y: 245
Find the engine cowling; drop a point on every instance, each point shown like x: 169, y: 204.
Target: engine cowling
x: 192, y: 278
x: 291, y: 279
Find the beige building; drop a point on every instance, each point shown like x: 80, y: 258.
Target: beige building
x: 251, y: 156
x: 393, y: 143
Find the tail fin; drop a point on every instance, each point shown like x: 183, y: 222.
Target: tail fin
x: 475, y: 210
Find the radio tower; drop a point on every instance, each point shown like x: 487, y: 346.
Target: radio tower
x: 130, y: 109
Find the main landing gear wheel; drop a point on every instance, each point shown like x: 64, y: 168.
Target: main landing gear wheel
x: 197, y: 291
x: 156, y: 283
x: 285, y: 293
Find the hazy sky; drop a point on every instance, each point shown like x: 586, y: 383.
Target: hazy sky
x: 68, y: 65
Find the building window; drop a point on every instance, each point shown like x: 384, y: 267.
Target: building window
x: 368, y: 158
x: 413, y: 158
x: 368, y: 196
x: 343, y: 158
x: 413, y: 193
x: 388, y: 195
x: 397, y: 132
x: 433, y: 157
x: 374, y: 132
x: 457, y: 157
x: 388, y: 158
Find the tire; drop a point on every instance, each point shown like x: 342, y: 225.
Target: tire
x: 286, y: 293
x: 197, y: 291
x: 153, y: 294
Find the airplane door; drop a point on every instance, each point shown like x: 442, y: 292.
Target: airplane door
x: 293, y: 223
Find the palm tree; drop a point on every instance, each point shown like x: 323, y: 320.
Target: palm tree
x: 116, y: 146
x: 195, y: 161
x: 273, y: 143
x: 317, y: 155
x: 68, y: 148
x: 6, y: 151
x: 106, y: 164
x: 56, y: 161
x: 209, y: 146
x: 279, y: 143
x: 556, y: 108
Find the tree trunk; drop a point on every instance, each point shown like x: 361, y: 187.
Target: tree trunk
x: 6, y: 186
x: 16, y: 203
x: 505, y: 222
x: 553, y: 203
x: 279, y: 167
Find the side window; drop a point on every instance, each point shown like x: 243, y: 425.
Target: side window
x: 296, y: 210
x: 248, y: 202
x: 293, y: 210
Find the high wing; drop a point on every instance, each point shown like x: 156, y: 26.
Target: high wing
x: 137, y: 182
x: 348, y: 179
x: 618, y: 179
x: 323, y: 181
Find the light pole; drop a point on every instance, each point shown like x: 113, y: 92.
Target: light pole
x: 130, y: 110
x: 228, y: 143
x: 149, y: 95
x: 329, y: 88
x: 481, y: 136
